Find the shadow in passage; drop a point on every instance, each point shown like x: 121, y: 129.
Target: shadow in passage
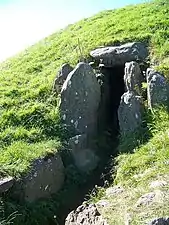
x: 76, y: 194
x: 112, y: 88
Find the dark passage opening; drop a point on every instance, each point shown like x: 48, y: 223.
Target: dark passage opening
x: 112, y: 88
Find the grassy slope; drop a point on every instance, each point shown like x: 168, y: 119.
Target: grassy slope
x: 28, y: 111
x: 29, y: 118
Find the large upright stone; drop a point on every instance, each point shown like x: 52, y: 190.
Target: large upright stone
x: 61, y: 77
x: 84, y: 157
x: 133, y: 77
x: 46, y: 177
x: 80, y: 98
x: 119, y: 55
x: 131, y: 105
x: 157, y: 89
x: 130, y: 112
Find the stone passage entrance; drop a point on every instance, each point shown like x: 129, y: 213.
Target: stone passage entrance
x: 112, y: 88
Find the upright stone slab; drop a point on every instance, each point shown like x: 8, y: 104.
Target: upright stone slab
x: 157, y: 89
x: 46, y: 177
x: 130, y: 112
x: 133, y: 77
x: 131, y: 105
x: 119, y: 55
x: 80, y: 98
x: 61, y: 77
x: 84, y: 157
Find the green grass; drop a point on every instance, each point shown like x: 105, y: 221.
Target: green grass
x: 124, y: 206
x: 28, y: 109
x: 143, y: 158
x: 152, y: 156
x: 30, y: 124
x: 16, y: 158
x: 27, y: 132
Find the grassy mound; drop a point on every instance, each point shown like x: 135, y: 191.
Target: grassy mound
x: 28, y: 110
x: 29, y: 117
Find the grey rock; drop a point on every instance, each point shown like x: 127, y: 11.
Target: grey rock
x: 79, y: 142
x: 5, y: 184
x: 119, y: 55
x: 86, y: 215
x: 146, y: 199
x: 133, y: 77
x: 150, y: 198
x: 131, y: 106
x: 85, y: 158
x: 105, y: 100
x: 61, y: 77
x: 159, y: 221
x: 103, y: 203
x: 130, y: 112
x: 45, y: 178
x: 112, y: 191
x: 80, y: 98
x: 158, y: 183
x: 157, y: 89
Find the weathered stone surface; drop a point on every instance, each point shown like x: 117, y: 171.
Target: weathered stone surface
x: 103, y: 203
x: 159, y: 221
x: 112, y: 191
x: 119, y: 55
x: 133, y: 77
x: 150, y: 198
x: 84, y: 157
x: 61, y: 77
x: 78, y: 142
x: 146, y: 199
x: 131, y: 105
x: 80, y: 98
x: 158, y: 183
x: 46, y: 178
x: 85, y: 215
x: 5, y: 184
x: 130, y: 112
x: 157, y: 90
x: 104, y: 107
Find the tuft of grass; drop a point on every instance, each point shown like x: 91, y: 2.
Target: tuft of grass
x: 16, y: 159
